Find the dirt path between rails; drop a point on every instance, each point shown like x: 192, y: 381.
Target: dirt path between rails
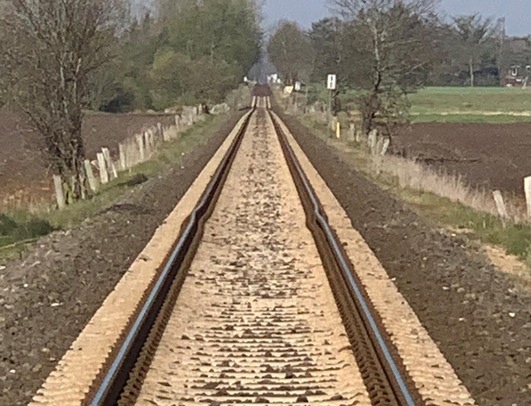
x: 478, y: 316
x: 47, y: 298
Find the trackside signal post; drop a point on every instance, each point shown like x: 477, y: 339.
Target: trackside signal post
x: 331, y: 85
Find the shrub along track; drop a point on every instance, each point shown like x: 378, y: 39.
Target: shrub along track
x: 479, y: 316
x: 48, y: 297
x: 255, y: 321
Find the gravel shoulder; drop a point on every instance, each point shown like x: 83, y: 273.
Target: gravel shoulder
x: 479, y: 316
x: 47, y: 297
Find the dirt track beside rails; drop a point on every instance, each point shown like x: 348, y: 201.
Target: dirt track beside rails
x: 490, y: 156
x: 479, y: 317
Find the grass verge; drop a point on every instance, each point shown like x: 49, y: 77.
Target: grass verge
x: 18, y: 228
x: 442, y: 199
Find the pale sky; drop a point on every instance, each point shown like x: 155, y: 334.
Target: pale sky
x: 517, y: 12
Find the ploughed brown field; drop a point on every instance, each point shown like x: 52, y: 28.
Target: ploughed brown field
x: 24, y: 175
x: 490, y: 156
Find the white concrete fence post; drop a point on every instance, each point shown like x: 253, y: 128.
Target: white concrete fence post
x: 123, y: 159
x: 104, y: 174
x: 385, y: 146
x: 59, y: 193
x: 93, y: 184
x: 113, y: 174
x: 527, y: 188
x: 373, y: 140
x: 140, y: 143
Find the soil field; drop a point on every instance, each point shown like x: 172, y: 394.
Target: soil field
x: 24, y: 176
x: 490, y: 156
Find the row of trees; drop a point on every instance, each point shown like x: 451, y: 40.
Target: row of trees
x: 59, y: 57
x: 386, y: 49
x: 383, y: 49
x: 194, y: 51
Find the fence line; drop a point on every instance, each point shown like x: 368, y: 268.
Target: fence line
x: 132, y: 151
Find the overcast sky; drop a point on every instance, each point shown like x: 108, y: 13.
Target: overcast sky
x: 517, y: 12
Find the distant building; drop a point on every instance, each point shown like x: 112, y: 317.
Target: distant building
x: 517, y: 58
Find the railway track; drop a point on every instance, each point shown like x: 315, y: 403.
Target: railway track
x: 257, y: 303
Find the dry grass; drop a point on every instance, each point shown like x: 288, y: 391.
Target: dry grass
x: 25, y: 200
x: 417, y: 176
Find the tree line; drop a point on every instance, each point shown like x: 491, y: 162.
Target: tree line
x: 61, y: 57
x: 386, y: 49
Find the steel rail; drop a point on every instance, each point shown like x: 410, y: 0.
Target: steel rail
x: 117, y: 374
x: 404, y: 395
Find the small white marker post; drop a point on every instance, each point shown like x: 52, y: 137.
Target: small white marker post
x: 331, y: 84
x: 500, y: 205
x: 527, y: 188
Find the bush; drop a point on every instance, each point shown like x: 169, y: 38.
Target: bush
x: 13, y: 228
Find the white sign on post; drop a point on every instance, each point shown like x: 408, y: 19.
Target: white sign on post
x: 331, y: 83
x: 297, y: 86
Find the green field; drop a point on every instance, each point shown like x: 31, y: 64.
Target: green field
x: 454, y: 104
x: 481, y: 104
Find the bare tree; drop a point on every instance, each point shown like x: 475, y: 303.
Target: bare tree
x: 50, y: 50
x: 473, y: 33
x: 390, y: 53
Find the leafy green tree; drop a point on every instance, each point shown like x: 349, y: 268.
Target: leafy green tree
x: 193, y: 51
x: 474, y: 33
x: 222, y: 39
x: 327, y: 42
x: 291, y: 52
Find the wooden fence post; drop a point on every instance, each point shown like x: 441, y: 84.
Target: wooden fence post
x: 59, y: 193
x: 90, y: 176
